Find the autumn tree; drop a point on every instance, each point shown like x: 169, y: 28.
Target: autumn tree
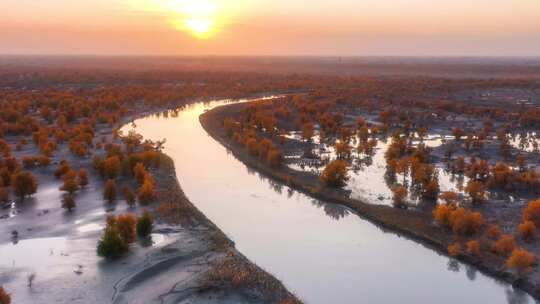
x: 126, y: 225
x: 520, y: 260
x: 82, y: 177
x: 473, y: 247
x: 139, y: 171
x: 335, y: 174
x: 70, y: 184
x: 399, y: 195
x: 476, y: 191
x: 112, y: 166
x: 68, y: 202
x: 146, y: 192
x: 109, y: 191
x: 111, y: 245
x: 532, y: 212
x: 527, y: 229
x: 454, y: 249
x: 24, y: 184
x: 504, y: 245
x: 129, y: 195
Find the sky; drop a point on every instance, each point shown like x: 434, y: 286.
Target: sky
x: 271, y: 27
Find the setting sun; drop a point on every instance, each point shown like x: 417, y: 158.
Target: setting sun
x: 199, y: 18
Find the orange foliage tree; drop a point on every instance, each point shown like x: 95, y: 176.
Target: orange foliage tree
x: 335, y: 174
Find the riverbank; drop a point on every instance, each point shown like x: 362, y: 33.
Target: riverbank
x: 412, y: 224
x: 211, y: 271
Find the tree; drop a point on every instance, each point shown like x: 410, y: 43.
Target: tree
x: 139, y: 171
x: 476, y: 190
x: 144, y: 224
x: 532, y: 212
x: 68, y: 202
x: 520, y: 260
x: 83, y: 177
x: 62, y: 169
x: 473, y: 247
x: 399, y: 195
x: 70, y: 182
x: 275, y: 158
x: 504, y: 245
x: 465, y: 222
x: 449, y: 197
x: 109, y: 191
x: 111, y: 244
x: 335, y: 174
x: 24, y: 184
x: 112, y: 166
x: 5, y: 298
x: 307, y: 131
x: 527, y: 229
x: 146, y: 192
x: 454, y: 249
x: 441, y: 214
x: 126, y: 223
x: 129, y: 195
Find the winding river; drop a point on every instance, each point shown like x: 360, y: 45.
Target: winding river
x: 322, y: 252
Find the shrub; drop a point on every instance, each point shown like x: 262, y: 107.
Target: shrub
x: 527, y: 229
x: 532, y: 212
x: 5, y: 298
x: 504, y: 245
x: 68, y: 202
x: 111, y: 244
x: 146, y: 192
x: 129, y: 195
x: 454, y: 249
x: 126, y: 223
x: 83, y: 177
x: 109, y: 191
x: 473, y: 247
x: 520, y: 259
x: 23, y: 184
x: 335, y: 174
x: 144, y: 224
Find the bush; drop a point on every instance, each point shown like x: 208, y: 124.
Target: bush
x: 532, y: 212
x: 527, y: 230
x: 335, y: 174
x: 5, y: 298
x: 109, y: 191
x: 520, y: 259
x: 23, y: 184
x: 454, y: 249
x: 473, y: 247
x: 144, y: 224
x: 126, y: 223
x: 68, y: 202
x: 111, y: 244
x: 504, y: 245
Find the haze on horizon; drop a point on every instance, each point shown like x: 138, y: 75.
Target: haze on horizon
x: 272, y: 27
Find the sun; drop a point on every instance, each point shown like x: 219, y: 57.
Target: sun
x: 199, y: 18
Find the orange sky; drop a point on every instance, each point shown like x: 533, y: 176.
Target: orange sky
x: 271, y: 27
